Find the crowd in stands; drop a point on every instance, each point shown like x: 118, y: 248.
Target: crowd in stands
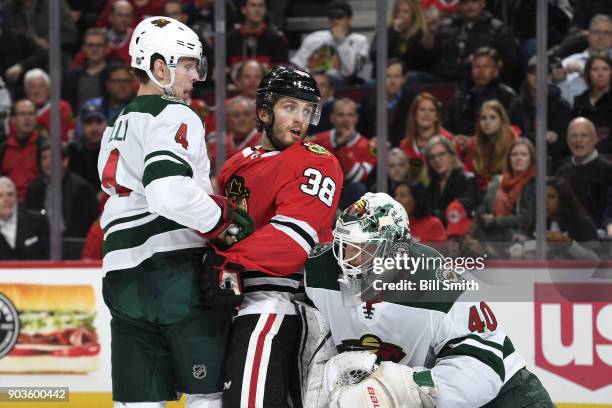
x: 461, y: 108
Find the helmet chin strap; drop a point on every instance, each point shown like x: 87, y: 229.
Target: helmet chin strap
x: 168, y: 87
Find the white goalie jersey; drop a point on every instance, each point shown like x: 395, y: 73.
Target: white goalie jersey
x: 154, y: 166
x: 469, y: 354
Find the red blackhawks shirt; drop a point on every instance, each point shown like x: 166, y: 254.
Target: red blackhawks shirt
x: 292, y: 196
x: 355, y: 156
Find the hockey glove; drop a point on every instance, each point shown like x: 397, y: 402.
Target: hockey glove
x: 220, y: 283
x: 389, y: 385
x: 233, y: 225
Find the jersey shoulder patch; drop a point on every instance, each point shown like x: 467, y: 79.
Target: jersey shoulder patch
x: 316, y: 149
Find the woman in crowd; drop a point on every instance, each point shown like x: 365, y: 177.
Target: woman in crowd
x: 424, y: 227
x: 410, y: 39
x: 424, y: 122
x: 447, y: 178
x: 508, y: 209
x: 595, y: 103
x: 571, y: 233
x: 487, y: 150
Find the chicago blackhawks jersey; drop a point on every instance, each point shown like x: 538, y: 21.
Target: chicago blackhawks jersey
x: 153, y: 164
x: 355, y: 156
x: 292, y: 197
x: 470, y: 356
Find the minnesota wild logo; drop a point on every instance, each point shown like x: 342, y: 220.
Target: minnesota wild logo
x: 160, y: 22
x: 369, y: 342
x: 316, y: 149
x: 237, y: 192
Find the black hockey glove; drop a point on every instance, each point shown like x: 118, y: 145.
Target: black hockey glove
x: 220, y: 283
x: 233, y: 225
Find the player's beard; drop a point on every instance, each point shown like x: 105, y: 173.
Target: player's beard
x: 278, y: 129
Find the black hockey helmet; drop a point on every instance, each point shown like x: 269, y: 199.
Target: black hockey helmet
x: 291, y: 82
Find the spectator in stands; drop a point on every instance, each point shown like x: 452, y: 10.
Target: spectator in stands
x: 558, y: 117
x: 337, y: 50
x: 6, y: 103
x: 94, y: 243
x: 32, y: 18
x: 507, y: 212
x: 484, y: 86
x: 255, y: 40
x: 399, y: 100
x: 119, y: 90
x: 24, y: 234
x: 424, y: 122
x: 119, y: 28
x: 20, y: 153
x: 87, y: 81
x: 588, y: 173
x: 571, y: 233
x: 37, y: 86
x: 248, y: 76
x: 461, y: 34
x: 487, y: 151
x: 461, y: 229
x: 350, y: 148
x: 447, y: 178
x: 79, y: 204
x: 599, y: 39
x: 140, y: 9
x: 18, y: 53
x: 241, y: 129
x: 584, y: 10
x: 410, y: 40
x: 424, y: 227
x: 595, y: 103
x: 83, y: 152
x: 327, y: 102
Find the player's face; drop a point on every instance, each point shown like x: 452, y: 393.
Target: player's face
x: 520, y: 159
x: 186, y: 75
x: 291, y: 120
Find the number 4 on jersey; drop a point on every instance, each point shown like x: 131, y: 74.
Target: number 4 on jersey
x: 181, y: 136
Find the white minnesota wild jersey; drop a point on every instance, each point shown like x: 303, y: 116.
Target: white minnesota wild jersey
x: 470, y: 356
x: 153, y: 164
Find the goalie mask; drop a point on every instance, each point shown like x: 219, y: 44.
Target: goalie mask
x: 365, y: 231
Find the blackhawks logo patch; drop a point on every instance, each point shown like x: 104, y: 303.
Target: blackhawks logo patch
x: 316, y: 149
x: 160, y: 22
x: 237, y: 192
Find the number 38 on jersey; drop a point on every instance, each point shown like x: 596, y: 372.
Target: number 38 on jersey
x: 319, y: 186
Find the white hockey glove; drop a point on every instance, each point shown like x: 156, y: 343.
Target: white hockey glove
x: 389, y: 385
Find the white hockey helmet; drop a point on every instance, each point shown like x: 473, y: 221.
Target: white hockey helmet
x: 366, y: 230
x: 171, y: 39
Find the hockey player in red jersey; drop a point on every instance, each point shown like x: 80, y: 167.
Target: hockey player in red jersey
x: 291, y: 190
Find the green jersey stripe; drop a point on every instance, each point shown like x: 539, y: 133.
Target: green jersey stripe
x: 133, y: 237
x: 125, y: 219
x: 484, y: 356
x: 473, y: 337
x: 164, y: 168
x: 167, y: 153
x: 508, y: 347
